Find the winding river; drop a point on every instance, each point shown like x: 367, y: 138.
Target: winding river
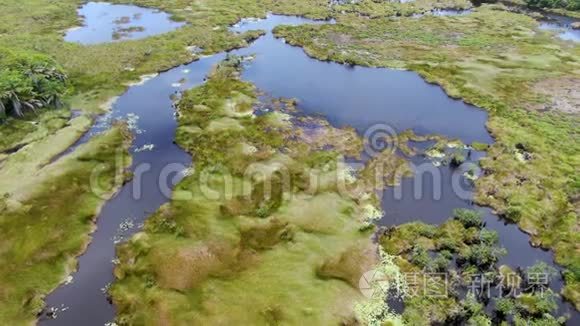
x: 345, y: 95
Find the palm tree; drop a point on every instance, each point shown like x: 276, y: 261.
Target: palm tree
x: 29, y: 84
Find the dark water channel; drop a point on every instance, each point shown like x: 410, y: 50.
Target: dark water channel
x: 355, y: 96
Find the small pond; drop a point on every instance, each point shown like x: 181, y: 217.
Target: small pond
x: 104, y: 22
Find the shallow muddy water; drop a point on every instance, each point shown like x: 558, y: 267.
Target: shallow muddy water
x: 104, y: 22
x: 355, y: 96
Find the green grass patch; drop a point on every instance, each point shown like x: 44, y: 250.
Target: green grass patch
x: 43, y: 231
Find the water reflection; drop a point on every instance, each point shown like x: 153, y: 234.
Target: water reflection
x: 104, y: 22
x: 357, y: 96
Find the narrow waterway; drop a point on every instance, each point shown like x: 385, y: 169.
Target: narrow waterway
x: 345, y: 95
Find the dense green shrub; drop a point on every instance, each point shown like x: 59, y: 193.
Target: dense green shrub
x: 419, y: 256
x: 457, y: 158
x: 28, y: 82
x: 469, y: 218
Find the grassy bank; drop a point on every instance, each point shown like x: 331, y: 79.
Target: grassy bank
x: 17, y: 132
x: 45, y: 221
x: 384, y: 9
x: 499, y: 61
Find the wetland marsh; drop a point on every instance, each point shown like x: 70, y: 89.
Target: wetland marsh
x: 253, y: 182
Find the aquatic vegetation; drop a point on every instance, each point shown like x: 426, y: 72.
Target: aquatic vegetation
x: 385, y: 279
x: 469, y: 218
x: 491, y: 58
x: 529, y: 307
x: 46, y: 226
x: 385, y: 169
x: 457, y: 158
x: 435, y: 283
x: 450, y: 152
x: 255, y: 235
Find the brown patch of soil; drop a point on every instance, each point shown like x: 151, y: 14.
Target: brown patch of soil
x: 563, y: 94
x: 350, y: 265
